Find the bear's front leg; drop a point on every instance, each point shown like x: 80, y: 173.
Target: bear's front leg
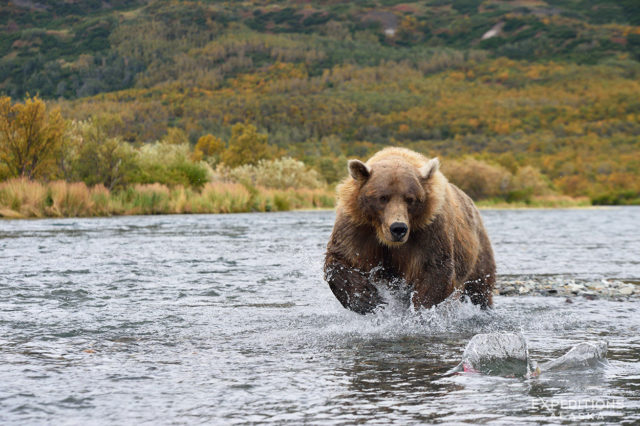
x: 436, y: 284
x: 351, y: 287
x: 431, y: 295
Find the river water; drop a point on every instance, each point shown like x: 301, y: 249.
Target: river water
x: 226, y: 319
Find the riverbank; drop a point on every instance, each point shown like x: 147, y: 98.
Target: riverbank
x: 556, y: 286
x: 21, y: 198
x: 537, y: 202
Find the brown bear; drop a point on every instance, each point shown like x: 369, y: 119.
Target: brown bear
x: 399, y: 220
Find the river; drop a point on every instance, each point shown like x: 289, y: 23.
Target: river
x: 226, y: 319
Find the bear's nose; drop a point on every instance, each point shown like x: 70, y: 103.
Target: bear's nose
x: 398, y: 230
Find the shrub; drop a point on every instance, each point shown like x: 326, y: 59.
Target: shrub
x: 478, y: 179
x: 527, y: 182
x: 92, y: 154
x: 170, y: 164
x: 622, y: 197
x: 283, y: 173
x: 111, y: 163
x: 481, y: 180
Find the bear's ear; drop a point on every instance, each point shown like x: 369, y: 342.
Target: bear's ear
x: 430, y: 168
x: 358, y: 170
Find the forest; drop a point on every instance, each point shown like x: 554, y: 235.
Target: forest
x: 525, y: 102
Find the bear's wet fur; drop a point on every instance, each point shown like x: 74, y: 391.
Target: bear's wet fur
x: 398, y: 219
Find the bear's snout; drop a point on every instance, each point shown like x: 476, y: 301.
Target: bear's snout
x: 398, y: 230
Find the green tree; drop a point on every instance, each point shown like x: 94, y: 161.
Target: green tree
x: 109, y: 162
x: 169, y: 164
x: 246, y: 146
x: 30, y: 137
x: 103, y: 159
x: 332, y: 169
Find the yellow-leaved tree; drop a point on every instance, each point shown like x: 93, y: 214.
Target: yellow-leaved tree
x: 246, y: 146
x: 208, y: 148
x: 30, y: 137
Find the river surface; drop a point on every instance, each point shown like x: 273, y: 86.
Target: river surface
x: 226, y: 319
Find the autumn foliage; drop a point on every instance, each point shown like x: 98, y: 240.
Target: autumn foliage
x: 30, y: 137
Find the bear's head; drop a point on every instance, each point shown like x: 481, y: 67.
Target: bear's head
x: 395, y: 192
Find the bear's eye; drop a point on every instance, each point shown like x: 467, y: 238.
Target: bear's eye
x: 384, y: 199
x: 409, y: 200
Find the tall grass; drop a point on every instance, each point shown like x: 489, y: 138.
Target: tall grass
x: 21, y: 198
x: 224, y: 198
x: 536, y: 202
x: 68, y: 199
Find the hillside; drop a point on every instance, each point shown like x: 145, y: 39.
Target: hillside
x: 548, y: 84
x: 62, y: 48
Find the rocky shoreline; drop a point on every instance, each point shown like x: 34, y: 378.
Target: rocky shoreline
x: 605, y: 288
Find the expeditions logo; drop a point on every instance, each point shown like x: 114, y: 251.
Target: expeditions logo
x: 578, y: 409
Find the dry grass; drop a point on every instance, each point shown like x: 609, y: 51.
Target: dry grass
x: 223, y: 198
x: 69, y: 199
x: 20, y: 198
x: 538, y: 202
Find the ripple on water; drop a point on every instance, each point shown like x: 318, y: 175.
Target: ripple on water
x: 227, y: 319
